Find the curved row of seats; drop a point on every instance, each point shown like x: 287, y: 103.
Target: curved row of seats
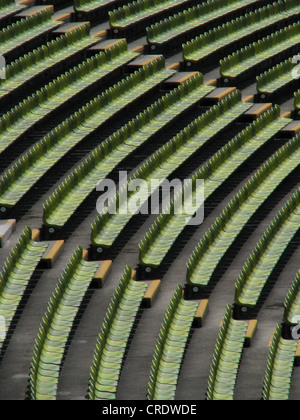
x: 65, y: 200
x: 60, y: 91
x: 262, y: 261
x: 245, y: 61
x: 138, y: 11
x: 14, y: 37
x: 23, y: 174
x: 57, y: 324
x: 280, y: 367
x: 163, y: 233
x: 81, y: 6
x: 16, y: 273
x: 162, y: 33
x: 226, y: 228
x: 227, y: 358
x: 114, y: 336
x: 170, y: 347
x: 159, y: 166
x: 277, y: 78
x: 45, y: 58
x: 218, y: 38
x: 9, y: 8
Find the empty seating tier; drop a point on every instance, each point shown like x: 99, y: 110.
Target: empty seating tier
x: 230, y: 33
x: 33, y: 65
x: 16, y: 37
x: 164, y: 232
x: 9, y: 8
x: 162, y: 164
x: 18, y: 179
x: 159, y: 137
x: 167, y: 33
x: 276, y: 79
x: 138, y: 13
x: 59, y: 93
x: 253, y: 57
x: 114, y: 337
x: 16, y: 274
x: 226, y: 228
x: 279, y: 368
x: 57, y: 324
x: 269, y: 250
x: 170, y: 347
x: 227, y: 358
x: 84, y: 179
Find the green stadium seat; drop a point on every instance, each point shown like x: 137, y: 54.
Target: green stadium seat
x: 297, y: 101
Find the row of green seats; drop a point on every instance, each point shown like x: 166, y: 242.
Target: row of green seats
x: 113, y: 338
x: 29, y: 168
x: 170, y: 347
x: 90, y: 5
x: 163, y: 233
x: 65, y: 200
x: 42, y: 59
x: 226, y: 228
x: 276, y: 78
x: 13, y: 36
x: 159, y: 166
x: 138, y: 10
x: 164, y: 31
x: 297, y: 100
x: 9, y: 7
x: 237, y: 29
x: 16, y: 273
x: 57, y: 324
x: 267, y: 48
x: 53, y: 95
x: 280, y: 367
x: 292, y: 303
x: 227, y: 358
x: 268, y: 251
